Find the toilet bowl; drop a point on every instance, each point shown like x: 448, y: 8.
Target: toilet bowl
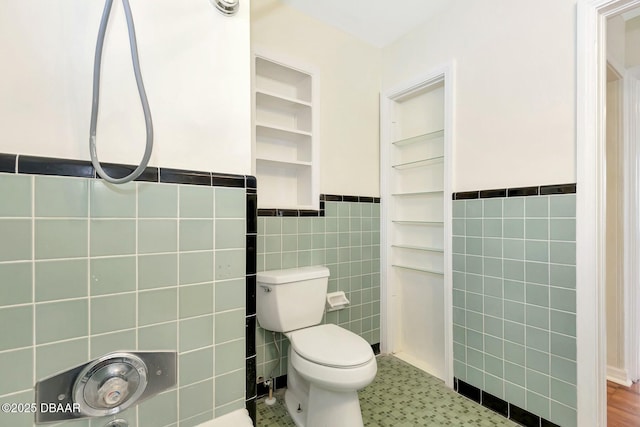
x: 332, y: 357
x: 327, y: 363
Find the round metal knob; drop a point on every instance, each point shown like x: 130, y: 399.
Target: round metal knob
x: 110, y: 384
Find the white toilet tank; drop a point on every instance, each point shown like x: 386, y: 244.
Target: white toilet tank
x: 291, y: 299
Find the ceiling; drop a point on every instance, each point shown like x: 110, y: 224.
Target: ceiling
x: 373, y: 21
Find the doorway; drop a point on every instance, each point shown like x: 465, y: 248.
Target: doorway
x: 592, y: 212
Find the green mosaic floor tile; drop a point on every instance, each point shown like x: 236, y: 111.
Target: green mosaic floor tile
x: 401, y: 395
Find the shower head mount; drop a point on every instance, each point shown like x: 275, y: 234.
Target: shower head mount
x: 227, y: 7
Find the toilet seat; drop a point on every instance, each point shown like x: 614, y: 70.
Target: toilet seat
x: 341, y: 379
x: 332, y: 346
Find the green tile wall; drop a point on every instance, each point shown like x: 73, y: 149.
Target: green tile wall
x: 514, y: 293
x: 87, y: 268
x: 347, y: 241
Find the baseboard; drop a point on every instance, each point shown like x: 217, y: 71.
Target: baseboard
x: 618, y: 376
x: 375, y: 348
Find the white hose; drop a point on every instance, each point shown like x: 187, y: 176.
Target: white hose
x: 96, y: 95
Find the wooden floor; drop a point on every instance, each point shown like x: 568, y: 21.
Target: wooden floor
x: 623, y: 405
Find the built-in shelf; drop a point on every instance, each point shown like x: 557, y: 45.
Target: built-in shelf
x: 284, y: 99
x: 431, y: 136
x: 422, y: 270
x: 284, y: 146
x: 419, y: 193
x: 283, y: 112
x: 418, y: 248
x: 282, y: 129
x: 418, y: 222
x: 418, y: 163
x: 276, y: 77
x: 279, y: 162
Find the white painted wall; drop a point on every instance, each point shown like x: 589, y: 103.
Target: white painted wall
x: 349, y: 72
x: 633, y: 43
x: 515, y: 87
x: 195, y: 65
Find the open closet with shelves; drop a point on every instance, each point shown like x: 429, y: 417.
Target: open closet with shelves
x: 416, y: 191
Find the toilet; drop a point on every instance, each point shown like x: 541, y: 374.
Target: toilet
x: 327, y: 364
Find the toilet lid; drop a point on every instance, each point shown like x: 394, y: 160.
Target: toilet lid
x: 331, y: 345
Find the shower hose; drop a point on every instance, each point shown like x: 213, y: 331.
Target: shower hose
x: 96, y: 95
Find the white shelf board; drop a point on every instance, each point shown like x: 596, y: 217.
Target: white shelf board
x: 417, y: 163
x: 286, y: 99
x: 422, y: 270
x: 274, y: 133
x: 418, y: 222
x: 275, y: 102
x: 283, y: 129
x: 431, y: 136
x: 418, y: 193
x: 278, y: 162
x: 418, y: 248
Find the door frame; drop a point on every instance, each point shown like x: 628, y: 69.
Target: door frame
x: 590, y: 205
x: 388, y: 302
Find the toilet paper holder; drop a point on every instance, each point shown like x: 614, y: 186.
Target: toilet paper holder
x: 337, y: 301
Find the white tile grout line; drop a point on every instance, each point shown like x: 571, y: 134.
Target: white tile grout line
x: 116, y: 294
x: 549, y: 315
x: 178, y: 213
x: 89, y: 213
x: 137, y: 262
x: 33, y: 276
x: 213, y: 275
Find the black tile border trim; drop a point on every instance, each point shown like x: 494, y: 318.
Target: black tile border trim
x: 466, y: 195
x: 116, y: 170
x: 542, y: 190
x: 495, y: 404
x: 469, y: 391
x: 347, y: 198
x: 250, y: 404
x: 53, y: 166
x: 557, y: 189
x: 8, y: 163
x: 489, y: 194
x: 523, y: 191
x: 321, y: 212
x: 250, y: 183
x: 500, y: 406
x: 545, y: 423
